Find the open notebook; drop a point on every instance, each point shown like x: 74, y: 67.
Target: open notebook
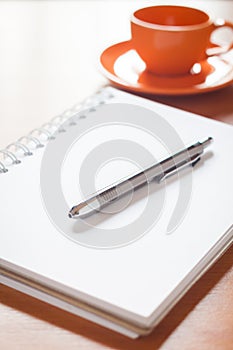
x: 126, y: 283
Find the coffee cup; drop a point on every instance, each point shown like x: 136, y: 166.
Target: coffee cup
x: 171, y: 39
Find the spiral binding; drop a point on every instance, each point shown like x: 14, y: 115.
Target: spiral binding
x: 47, y: 130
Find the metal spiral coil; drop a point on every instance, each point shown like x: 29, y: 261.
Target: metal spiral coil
x: 19, y: 145
x: 3, y: 169
x: 35, y: 140
x: 49, y: 129
x: 10, y: 155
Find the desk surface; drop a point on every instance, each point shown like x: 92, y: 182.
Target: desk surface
x: 48, y: 63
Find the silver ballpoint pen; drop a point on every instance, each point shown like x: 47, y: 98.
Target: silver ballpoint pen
x: 158, y: 172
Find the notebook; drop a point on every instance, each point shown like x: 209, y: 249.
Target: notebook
x: 127, y: 267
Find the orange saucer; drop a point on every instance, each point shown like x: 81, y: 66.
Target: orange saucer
x: 123, y: 67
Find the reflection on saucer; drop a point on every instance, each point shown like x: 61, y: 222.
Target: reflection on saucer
x: 129, y: 67
x: 123, y: 66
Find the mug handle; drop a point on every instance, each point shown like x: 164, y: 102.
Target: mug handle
x: 215, y: 49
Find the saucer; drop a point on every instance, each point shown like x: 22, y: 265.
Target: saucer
x: 122, y: 65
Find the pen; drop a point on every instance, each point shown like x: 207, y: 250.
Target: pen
x: 158, y: 172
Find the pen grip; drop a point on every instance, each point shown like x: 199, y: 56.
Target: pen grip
x: 107, y: 196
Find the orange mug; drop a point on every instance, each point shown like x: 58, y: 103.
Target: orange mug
x: 171, y: 39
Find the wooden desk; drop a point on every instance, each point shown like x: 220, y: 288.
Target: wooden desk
x: 31, y: 91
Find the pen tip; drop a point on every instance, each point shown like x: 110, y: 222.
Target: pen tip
x: 73, y: 213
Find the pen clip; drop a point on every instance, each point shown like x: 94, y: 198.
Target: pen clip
x: 193, y: 161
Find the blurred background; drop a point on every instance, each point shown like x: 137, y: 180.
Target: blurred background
x: 49, y: 54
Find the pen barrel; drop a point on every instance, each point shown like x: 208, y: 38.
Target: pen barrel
x: 172, y: 164
x: 156, y: 172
